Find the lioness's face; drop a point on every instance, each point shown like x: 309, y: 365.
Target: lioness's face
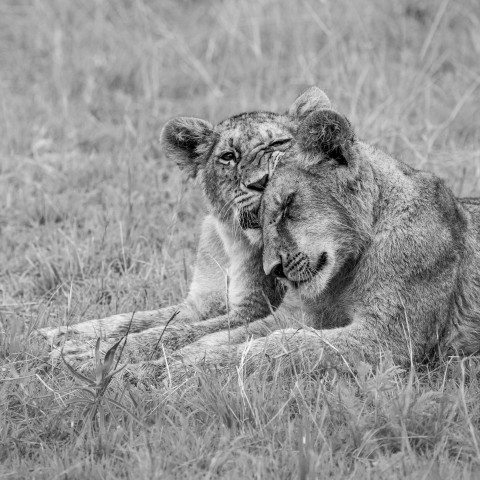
x: 304, y: 230
x: 309, y: 216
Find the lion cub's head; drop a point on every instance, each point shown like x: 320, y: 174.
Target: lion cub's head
x: 234, y: 160
x: 312, y: 209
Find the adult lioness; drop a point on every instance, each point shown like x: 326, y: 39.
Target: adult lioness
x: 232, y: 163
x: 383, y: 257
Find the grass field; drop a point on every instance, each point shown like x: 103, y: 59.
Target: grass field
x: 95, y: 221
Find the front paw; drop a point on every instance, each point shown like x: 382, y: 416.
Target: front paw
x: 80, y: 355
x: 87, y: 355
x: 146, y: 375
x: 54, y: 335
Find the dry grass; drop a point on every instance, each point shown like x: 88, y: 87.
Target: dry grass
x: 93, y: 221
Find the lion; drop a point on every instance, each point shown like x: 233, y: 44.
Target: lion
x: 232, y: 162
x: 383, y: 257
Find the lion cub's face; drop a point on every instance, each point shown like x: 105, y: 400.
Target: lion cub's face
x: 234, y: 160
x: 242, y: 160
x: 309, y: 224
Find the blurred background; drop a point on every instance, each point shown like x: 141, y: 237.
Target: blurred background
x: 93, y: 220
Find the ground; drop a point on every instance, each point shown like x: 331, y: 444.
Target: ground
x: 94, y: 221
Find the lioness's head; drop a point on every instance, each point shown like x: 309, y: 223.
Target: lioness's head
x: 311, y: 209
x: 234, y: 160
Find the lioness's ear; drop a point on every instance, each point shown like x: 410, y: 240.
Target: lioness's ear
x: 308, y: 102
x: 186, y: 140
x: 329, y: 134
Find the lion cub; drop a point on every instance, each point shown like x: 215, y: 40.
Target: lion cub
x: 232, y: 162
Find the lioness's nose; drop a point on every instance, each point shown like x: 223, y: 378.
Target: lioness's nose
x: 258, y: 185
x: 276, y: 270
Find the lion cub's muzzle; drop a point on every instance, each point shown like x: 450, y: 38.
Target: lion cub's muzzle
x: 249, y: 219
x: 253, y: 188
x: 258, y: 185
x: 248, y: 216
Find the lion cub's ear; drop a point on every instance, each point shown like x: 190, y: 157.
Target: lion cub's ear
x: 329, y: 134
x: 186, y: 140
x: 309, y: 101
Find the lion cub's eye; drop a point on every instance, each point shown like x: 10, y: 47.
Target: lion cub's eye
x: 280, y: 142
x: 226, y: 158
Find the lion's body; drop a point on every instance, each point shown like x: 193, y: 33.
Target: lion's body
x: 382, y: 257
x: 232, y: 163
x: 405, y: 255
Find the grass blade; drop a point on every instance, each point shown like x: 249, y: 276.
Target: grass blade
x: 110, y: 355
x: 78, y: 375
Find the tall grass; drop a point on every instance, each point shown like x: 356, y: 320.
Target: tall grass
x: 95, y: 221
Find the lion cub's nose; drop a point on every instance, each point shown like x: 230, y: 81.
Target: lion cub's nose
x: 258, y: 185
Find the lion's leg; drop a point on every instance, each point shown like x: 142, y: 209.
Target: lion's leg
x: 206, y: 298
x: 231, y: 336
x: 152, y: 343
x: 298, y: 348
x: 339, y: 348
x: 307, y: 348
x: 212, y: 348
x: 187, y: 339
x: 286, y: 349
x: 117, y: 325
x: 282, y: 318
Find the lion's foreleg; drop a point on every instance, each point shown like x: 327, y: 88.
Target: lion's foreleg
x: 169, y: 336
x: 302, y: 348
x: 153, y: 342
x: 230, y: 328
x: 228, y: 337
x: 117, y: 325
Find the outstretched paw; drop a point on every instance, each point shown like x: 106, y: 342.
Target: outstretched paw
x: 84, y: 356
x: 54, y: 335
x: 80, y: 355
x: 146, y: 375
x: 75, y: 352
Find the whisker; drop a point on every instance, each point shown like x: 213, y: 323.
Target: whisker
x: 242, y: 197
x: 227, y: 211
x: 226, y: 206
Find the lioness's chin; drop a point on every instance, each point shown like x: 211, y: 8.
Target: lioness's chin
x: 313, y: 286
